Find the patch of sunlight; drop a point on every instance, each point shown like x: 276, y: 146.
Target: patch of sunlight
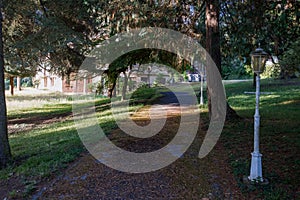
x: 270, y: 96
x: 13, y: 105
x: 65, y: 127
x: 104, y: 113
x: 105, y: 118
x: 57, y: 127
x: 290, y: 102
x: 237, y: 108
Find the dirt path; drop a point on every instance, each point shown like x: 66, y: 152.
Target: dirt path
x: 187, y: 178
x: 88, y: 179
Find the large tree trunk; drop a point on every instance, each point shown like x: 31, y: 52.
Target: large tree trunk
x: 213, y: 44
x: 212, y: 31
x: 212, y: 38
x: 5, y: 154
x: 111, y: 89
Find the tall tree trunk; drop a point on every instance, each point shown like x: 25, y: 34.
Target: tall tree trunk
x: 19, y: 83
x: 114, y: 94
x: 111, y: 90
x: 212, y: 31
x: 213, y: 44
x: 212, y: 37
x: 5, y: 153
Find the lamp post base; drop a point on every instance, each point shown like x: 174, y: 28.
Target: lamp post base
x: 256, y: 168
x: 201, y: 101
x: 248, y: 182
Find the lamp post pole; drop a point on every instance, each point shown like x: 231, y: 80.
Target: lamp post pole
x: 258, y: 59
x: 200, y: 69
x: 201, y: 90
x: 256, y: 165
x: 149, y: 70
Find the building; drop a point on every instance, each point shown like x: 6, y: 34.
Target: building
x: 46, y: 80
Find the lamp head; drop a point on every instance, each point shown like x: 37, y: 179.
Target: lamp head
x: 258, y: 60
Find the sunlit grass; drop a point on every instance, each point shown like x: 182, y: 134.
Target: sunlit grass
x: 36, y: 100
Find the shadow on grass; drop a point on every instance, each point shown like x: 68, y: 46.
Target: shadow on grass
x: 46, y: 111
x: 42, y: 151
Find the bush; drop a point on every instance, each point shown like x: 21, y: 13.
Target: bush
x: 185, y: 76
x: 143, y: 95
x: 271, y: 71
x: 235, y: 69
x: 160, y: 80
x: 27, y: 82
x: 289, y: 63
x: 99, y: 88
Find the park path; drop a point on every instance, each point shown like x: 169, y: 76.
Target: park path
x: 186, y: 178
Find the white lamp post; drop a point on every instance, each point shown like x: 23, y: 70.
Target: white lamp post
x: 201, y: 70
x: 258, y: 61
x: 201, y: 77
x: 149, y: 71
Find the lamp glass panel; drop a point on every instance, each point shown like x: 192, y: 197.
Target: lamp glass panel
x: 258, y: 63
x: 263, y: 63
x: 255, y: 63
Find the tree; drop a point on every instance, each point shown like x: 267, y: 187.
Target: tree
x: 182, y: 16
x: 290, y: 60
x: 213, y: 46
x: 50, y: 29
x: 5, y: 153
x: 47, y: 30
x: 16, y: 27
x: 244, y: 24
x: 124, y: 64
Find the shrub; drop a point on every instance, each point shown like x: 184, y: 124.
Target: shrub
x: 271, y: 70
x: 27, y: 82
x: 235, y: 69
x: 289, y: 63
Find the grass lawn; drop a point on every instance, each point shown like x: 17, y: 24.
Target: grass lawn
x: 48, y: 148
x: 279, y: 137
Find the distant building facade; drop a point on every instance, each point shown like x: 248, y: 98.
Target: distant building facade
x: 48, y: 81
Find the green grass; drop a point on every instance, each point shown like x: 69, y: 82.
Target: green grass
x: 44, y: 150
x: 279, y: 137
x: 145, y: 95
x: 45, y: 110
x: 40, y: 152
